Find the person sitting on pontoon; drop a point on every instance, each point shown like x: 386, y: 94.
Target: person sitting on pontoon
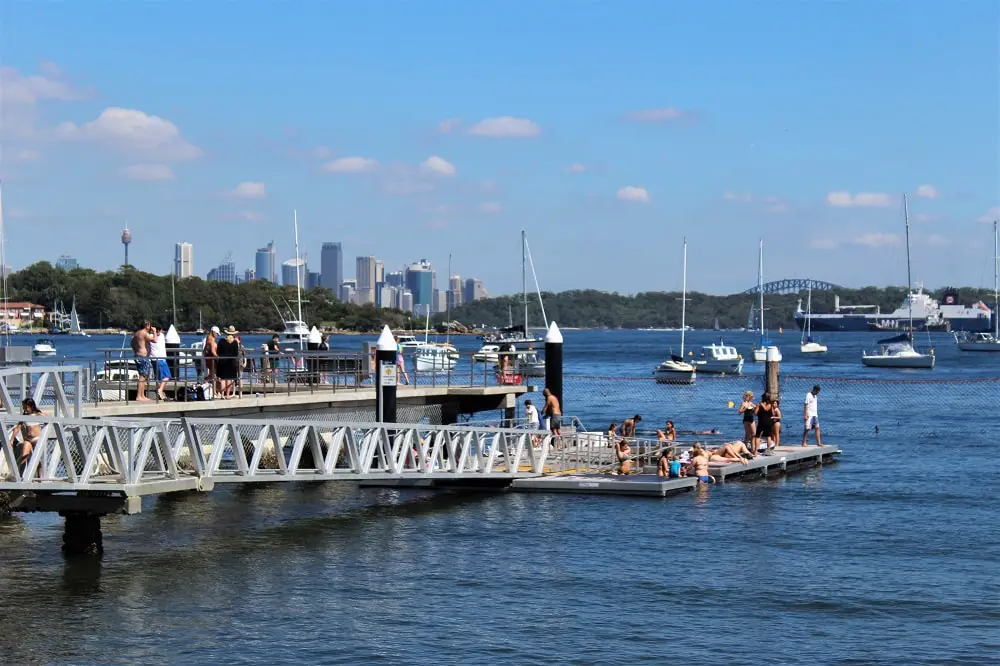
x: 624, y: 454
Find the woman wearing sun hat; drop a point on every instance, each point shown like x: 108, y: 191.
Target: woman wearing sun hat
x: 228, y: 365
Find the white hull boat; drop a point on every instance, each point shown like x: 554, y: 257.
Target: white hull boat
x: 295, y: 331
x: 813, y: 348
x: 898, y: 356
x: 44, y: 348
x: 675, y: 372
x: 760, y: 350
x: 807, y: 345
x: 435, y: 358
x: 981, y: 342
x: 530, y: 365
x: 719, y: 359
x: 487, y: 354
x: 987, y: 342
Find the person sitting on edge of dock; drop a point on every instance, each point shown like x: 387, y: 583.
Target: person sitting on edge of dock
x: 668, y: 434
x: 699, y: 464
x: 811, y: 414
x: 624, y: 454
x: 670, y: 466
x: 26, y: 433
x: 628, y: 426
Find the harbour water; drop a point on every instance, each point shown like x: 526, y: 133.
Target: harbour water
x: 891, y: 556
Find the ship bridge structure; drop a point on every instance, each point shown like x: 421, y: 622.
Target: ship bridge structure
x: 793, y: 286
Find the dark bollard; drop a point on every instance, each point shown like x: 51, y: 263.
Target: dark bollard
x: 386, y: 377
x: 173, y: 345
x: 554, y: 363
x: 82, y: 533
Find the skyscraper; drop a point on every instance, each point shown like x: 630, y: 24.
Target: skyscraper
x: 420, y: 282
x: 66, y: 263
x: 454, y: 291
x: 224, y: 272
x: 379, y: 271
x: 473, y: 291
x: 331, y: 267
x: 395, y: 279
x: 264, y: 264
x: 183, y: 260
x: 366, y: 279
x: 288, y: 272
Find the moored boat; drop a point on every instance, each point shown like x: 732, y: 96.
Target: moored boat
x: 719, y: 359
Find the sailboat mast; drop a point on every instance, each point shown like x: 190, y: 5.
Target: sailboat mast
x: 298, y: 270
x: 909, y: 279
x: 760, y: 287
x: 809, y: 309
x: 996, y: 282
x: 524, y: 285
x: 3, y: 276
x: 447, y: 307
x: 684, y: 291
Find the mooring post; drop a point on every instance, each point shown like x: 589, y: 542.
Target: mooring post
x: 554, y: 363
x: 385, y: 377
x: 771, y: 374
x: 82, y: 533
x: 312, y: 344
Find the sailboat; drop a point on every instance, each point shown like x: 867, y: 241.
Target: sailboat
x: 806, y: 344
x: 676, y: 370
x: 760, y: 350
x: 430, y: 357
x: 528, y: 363
x: 988, y: 342
x: 74, y: 322
x: 200, y: 330
x: 898, y: 351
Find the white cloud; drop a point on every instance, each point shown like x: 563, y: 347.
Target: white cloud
x: 738, y: 196
x: 22, y: 94
x: 448, y: 125
x: 249, y: 190
x: 438, y: 165
x: 246, y: 216
x: 666, y: 114
x: 878, y: 239
x: 134, y: 131
x: 990, y: 215
x: 578, y: 168
x: 927, y: 192
x: 148, y: 172
x: 632, y: 193
x: 843, y: 199
x: 506, y: 127
x: 350, y: 165
x: 823, y: 244
x: 489, y: 207
x: 26, y: 155
x: 937, y: 240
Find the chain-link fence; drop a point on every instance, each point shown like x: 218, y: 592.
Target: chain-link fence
x: 904, y: 409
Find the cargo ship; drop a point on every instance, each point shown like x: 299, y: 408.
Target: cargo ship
x: 928, y: 315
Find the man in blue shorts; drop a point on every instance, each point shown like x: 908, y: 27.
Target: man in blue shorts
x: 140, y: 345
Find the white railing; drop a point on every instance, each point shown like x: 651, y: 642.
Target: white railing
x: 146, y: 456
x: 58, y: 390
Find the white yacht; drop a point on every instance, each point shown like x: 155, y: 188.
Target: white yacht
x: 988, y: 342
x: 295, y: 331
x: 488, y: 353
x: 898, y: 351
x: 719, y: 359
x: 807, y: 345
x: 676, y: 370
x: 44, y: 347
x: 529, y: 365
x: 760, y: 350
x: 435, y: 358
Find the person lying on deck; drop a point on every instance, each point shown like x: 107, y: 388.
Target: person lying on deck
x: 725, y: 454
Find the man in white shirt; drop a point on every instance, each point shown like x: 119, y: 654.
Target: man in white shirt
x: 811, y: 416
x: 531, y: 415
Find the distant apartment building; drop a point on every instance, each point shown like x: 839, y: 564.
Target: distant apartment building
x: 454, y: 291
x: 366, y: 273
x: 473, y: 291
x: 66, y: 263
x: 439, y: 303
x: 17, y: 314
x: 264, y: 264
x: 331, y: 267
x: 183, y: 260
x: 249, y: 275
x: 379, y: 271
x: 312, y: 280
x: 395, y: 279
x: 295, y: 272
x: 406, y: 300
x: 224, y: 272
x: 420, y: 282
x: 348, y: 291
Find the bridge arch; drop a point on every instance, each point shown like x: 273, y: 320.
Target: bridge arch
x: 793, y: 286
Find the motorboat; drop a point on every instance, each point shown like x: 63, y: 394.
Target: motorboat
x: 488, y: 353
x: 719, y: 359
x: 295, y: 330
x: 764, y: 345
x: 898, y: 351
x: 676, y: 370
x: 986, y: 342
x: 115, y: 378
x: 807, y: 345
x: 529, y: 365
x: 435, y: 358
x: 409, y: 342
x: 44, y: 347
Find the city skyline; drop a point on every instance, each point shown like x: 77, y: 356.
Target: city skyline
x: 606, y: 138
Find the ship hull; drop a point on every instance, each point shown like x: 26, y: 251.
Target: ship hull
x: 847, y: 323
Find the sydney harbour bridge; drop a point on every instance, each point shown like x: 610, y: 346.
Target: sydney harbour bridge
x: 793, y: 286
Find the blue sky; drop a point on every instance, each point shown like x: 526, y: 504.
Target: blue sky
x: 607, y: 130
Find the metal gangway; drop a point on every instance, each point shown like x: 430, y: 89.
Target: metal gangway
x: 107, y: 465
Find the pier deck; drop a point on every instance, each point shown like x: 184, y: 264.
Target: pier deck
x: 649, y: 485
x: 785, y: 458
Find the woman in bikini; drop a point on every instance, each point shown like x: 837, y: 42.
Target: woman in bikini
x: 624, y: 454
x: 27, y: 432
x: 775, y: 424
x: 747, y: 409
x: 765, y: 414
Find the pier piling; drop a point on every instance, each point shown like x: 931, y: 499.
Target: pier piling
x: 386, y: 379
x: 772, y: 372
x: 82, y: 533
x: 554, y: 363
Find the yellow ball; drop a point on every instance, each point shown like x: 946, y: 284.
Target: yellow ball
x: 731, y: 404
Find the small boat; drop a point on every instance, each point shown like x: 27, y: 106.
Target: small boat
x: 719, y: 359
x: 74, y: 322
x: 44, y: 347
x: 529, y: 365
x: 199, y: 330
x: 409, y: 342
x: 436, y: 358
x: 488, y: 353
x: 807, y: 345
x: 898, y: 351
x: 760, y: 350
x: 987, y: 342
x: 676, y: 370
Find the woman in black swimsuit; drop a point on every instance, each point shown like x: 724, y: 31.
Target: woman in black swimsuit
x: 764, y: 420
x: 747, y: 409
x: 776, y: 423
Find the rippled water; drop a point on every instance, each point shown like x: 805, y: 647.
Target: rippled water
x: 889, y: 556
